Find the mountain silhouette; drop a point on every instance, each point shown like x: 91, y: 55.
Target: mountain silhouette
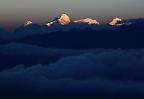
x: 82, y: 36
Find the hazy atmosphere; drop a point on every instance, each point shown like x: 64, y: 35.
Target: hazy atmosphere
x: 41, y: 11
x: 72, y: 49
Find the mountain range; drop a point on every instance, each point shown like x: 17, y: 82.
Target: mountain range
x: 84, y: 33
x: 69, y: 59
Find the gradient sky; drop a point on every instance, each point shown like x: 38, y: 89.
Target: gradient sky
x: 40, y: 11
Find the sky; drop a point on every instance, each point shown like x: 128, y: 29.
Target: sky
x: 13, y: 12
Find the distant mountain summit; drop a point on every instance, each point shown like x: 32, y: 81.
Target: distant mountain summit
x: 50, y: 24
x: 116, y: 22
x: 64, y: 19
x: 27, y: 22
x: 87, y: 20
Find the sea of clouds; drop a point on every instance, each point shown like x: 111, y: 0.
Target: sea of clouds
x: 104, y: 73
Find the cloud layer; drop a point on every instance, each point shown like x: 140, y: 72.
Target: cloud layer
x: 101, y: 73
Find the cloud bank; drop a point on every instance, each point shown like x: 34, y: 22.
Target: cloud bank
x: 113, y: 73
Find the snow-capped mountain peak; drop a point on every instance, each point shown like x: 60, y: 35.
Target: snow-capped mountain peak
x: 87, y: 20
x: 27, y: 22
x: 116, y: 21
x: 49, y: 24
x: 64, y: 19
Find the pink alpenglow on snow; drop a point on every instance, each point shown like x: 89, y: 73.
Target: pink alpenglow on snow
x: 87, y: 20
x: 64, y: 19
x: 27, y: 22
x: 49, y: 24
x: 116, y: 21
